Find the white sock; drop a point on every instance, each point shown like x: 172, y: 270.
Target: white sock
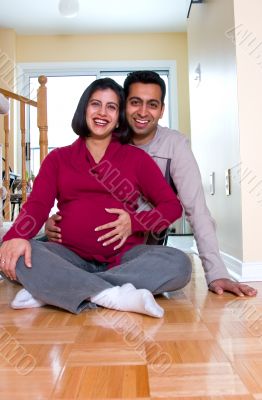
x: 24, y: 299
x: 128, y: 298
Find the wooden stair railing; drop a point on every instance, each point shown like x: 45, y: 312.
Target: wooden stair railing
x: 41, y: 106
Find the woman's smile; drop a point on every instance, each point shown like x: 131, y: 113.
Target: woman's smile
x: 102, y: 112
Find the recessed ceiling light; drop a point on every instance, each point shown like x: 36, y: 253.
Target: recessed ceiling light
x: 68, y: 8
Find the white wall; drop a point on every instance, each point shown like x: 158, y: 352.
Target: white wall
x: 225, y: 37
x: 248, y: 35
x: 214, y: 114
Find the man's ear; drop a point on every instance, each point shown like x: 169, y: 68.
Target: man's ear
x: 162, y: 110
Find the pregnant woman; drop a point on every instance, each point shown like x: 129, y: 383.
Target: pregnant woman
x: 99, y: 170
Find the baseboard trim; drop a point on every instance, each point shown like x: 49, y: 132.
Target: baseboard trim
x: 242, y: 271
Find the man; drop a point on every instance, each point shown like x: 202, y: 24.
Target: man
x: 145, y: 94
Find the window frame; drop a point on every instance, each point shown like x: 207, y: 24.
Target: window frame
x: 98, y: 68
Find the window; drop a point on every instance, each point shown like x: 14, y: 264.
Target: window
x: 62, y: 98
x: 65, y: 86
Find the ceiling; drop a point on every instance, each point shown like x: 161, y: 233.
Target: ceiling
x: 41, y: 17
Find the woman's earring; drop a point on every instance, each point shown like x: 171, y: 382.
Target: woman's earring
x: 117, y: 125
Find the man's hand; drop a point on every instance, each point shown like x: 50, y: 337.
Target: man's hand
x: 52, y: 231
x: 219, y: 286
x: 121, y: 228
x: 10, y: 251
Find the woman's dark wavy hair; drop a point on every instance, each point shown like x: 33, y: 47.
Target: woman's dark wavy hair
x: 79, y: 124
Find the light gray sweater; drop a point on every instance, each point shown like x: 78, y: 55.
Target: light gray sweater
x: 170, y: 144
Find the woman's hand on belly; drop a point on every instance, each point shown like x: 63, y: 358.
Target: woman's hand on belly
x: 121, y: 228
x: 79, y: 221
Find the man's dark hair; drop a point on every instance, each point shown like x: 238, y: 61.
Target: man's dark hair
x: 145, y: 77
x: 79, y: 124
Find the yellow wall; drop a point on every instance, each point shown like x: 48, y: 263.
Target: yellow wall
x: 163, y: 46
x: 7, y: 58
x: 7, y: 77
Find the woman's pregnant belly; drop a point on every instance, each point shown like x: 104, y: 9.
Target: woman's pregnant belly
x: 80, y: 218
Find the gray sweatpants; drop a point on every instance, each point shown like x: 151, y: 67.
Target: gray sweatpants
x: 61, y: 278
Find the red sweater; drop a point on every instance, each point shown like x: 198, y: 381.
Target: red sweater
x: 84, y: 189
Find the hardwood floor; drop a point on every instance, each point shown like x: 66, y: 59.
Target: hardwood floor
x: 205, y: 347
